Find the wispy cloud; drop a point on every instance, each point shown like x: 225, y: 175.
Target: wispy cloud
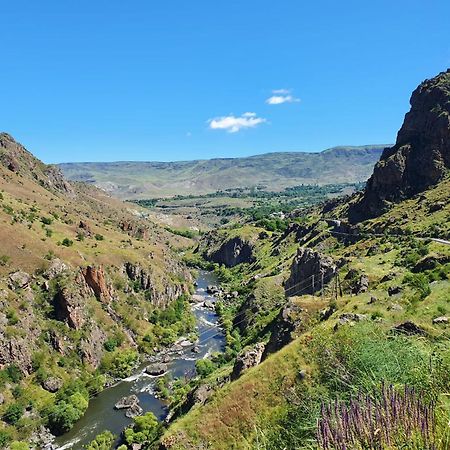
x: 233, y: 124
x: 281, y: 96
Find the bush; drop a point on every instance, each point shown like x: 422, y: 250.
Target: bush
x: 120, y: 363
x: 4, y: 438
x: 46, y: 220
x: 4, y: 260
x: 64, y: 414
x: 16, y: 445
x: 67, y: 242
x: 419, y: 282
x: 145, y: 430
x: 14, y: 373
x: 103, y: 441
x: 13, y: 413
x: 99, y: 237
x: 204, y: 367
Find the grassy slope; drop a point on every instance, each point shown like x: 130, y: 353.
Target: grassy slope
x: 274, y: 170
x: 241, y: 413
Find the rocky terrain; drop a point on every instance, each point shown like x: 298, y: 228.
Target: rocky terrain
x: 274, y: 171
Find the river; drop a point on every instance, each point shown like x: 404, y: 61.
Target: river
x: 101, y: 414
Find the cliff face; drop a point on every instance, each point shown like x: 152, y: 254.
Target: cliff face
x: 421, y: 155
x: 233, y: 252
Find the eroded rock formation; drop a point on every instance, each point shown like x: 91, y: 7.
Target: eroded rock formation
x: 233, y: 252
x: 310, y: 270
x: 421, y: 155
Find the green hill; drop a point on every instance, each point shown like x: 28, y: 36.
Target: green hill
x: 274, y: 171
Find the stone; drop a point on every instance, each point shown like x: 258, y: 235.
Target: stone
x: 127, y: 402
x: 208, y: 304
x: 395, y: 307
x: 195, y: 349
x: 247, y: 359
x: 95, y: 278
x: 394, y: 290
x: 351, y: 318
x: 441, y: 320
x: 283, y: 328
x: 2, y: 399
x: 156, y: 369
x: 372, y: 300
x: 19, y: 280
x: 409, y: 328
x: 57, y: 267
x: 133, y: 411
x: 52, y: 384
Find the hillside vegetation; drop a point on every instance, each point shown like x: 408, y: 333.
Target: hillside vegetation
x: 82, y: 282
x: 339, y: 337
x: 272, y: 171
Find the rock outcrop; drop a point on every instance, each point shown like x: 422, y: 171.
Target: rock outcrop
x: 310, y: 271
x: 95, y: 278
x: 421, y: 155
x: 233, y: 252
x: 247, y: 359
x: 69, y: 307
x: 283, y: 328
x: 160, y: 296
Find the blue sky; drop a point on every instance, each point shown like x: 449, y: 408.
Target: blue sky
x: 176, y: 79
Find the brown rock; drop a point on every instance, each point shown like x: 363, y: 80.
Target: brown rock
x: 96, y: 279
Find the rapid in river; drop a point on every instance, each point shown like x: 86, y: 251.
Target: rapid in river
x: 180, y: 360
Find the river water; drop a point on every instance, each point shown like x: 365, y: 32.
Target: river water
x: 101, y: 414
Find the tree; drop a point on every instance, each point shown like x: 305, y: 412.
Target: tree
x: 103, y: 441
x: 145, y: 430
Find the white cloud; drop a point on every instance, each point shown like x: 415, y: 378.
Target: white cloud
x: 281, y: 96
x: 233, y: 124
x: 281, y: 91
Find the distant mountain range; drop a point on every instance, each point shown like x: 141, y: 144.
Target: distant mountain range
x: 274, y: 171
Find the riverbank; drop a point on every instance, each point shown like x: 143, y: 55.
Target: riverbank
x: 179, y: 360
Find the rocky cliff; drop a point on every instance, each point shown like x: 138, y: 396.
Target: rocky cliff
x: 233, y: 252
x: 421, y: 155
x: 310, y: 271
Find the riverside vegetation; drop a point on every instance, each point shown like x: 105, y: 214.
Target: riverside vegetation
x: 336, y: 314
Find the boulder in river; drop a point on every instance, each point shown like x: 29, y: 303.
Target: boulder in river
x: 127, y: 402
x: 133, y: 411
x: 208, y: 304
x: 156, y: 369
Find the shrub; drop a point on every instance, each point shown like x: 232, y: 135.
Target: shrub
x: 14, y: 373
x: 11, y: 315
x: 103, y: 441
x: 145, y: 430
x: 46, y: 220
x: 65, y: 413
x: 99, y: 237
x: 204, y: 367
x: 4, y: 260
x: 17, y: 445
x: 67, y: 242
x: 120, y: 363
x: 13, y: 413
x: 419, y: 282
